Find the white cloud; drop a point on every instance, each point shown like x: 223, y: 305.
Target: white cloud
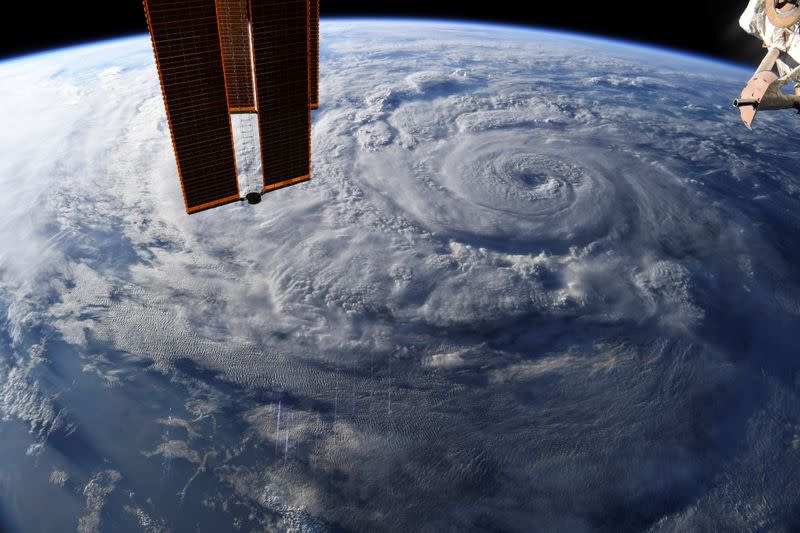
x: 506, y: 292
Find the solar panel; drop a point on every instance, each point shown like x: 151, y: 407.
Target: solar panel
x: 313, y: 53
x: 280, y: 46
x: 187, y: 49
x: 234, y: 34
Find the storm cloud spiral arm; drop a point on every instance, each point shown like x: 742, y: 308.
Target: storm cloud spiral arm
x: 510, y: 185
x: 538, y: 281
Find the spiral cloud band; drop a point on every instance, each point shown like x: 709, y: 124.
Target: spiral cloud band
x: 538, y: 282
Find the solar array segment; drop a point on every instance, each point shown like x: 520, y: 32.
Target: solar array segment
x: 313, y: 53
x: 281, y: 54
x: 187, y: 48
x: 234, y: 32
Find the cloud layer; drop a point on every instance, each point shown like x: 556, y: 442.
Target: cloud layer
x: 537, y: 282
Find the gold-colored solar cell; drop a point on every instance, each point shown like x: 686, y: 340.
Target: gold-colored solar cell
x: 187, y: 50
x: 280, y: 46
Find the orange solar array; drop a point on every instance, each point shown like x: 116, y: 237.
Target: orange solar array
x: 217, y: 57
x: 313, y: 53
x: 280, y: 46
x: 187, y: 50
x: 234, y: 33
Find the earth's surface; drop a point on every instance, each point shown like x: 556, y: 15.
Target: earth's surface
x: 539, y: 282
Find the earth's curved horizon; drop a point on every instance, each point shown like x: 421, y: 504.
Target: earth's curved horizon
x: 540, y: 281
x: 652, y: 47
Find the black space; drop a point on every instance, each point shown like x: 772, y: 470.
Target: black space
x: 703, y: 27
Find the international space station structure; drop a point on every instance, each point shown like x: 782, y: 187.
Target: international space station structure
x: 220, y: 58
x: 777, y: 24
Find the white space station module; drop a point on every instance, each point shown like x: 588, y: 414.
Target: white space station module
x: 776, y: 23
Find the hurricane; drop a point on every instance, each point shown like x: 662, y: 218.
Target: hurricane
x: 538, y: 282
